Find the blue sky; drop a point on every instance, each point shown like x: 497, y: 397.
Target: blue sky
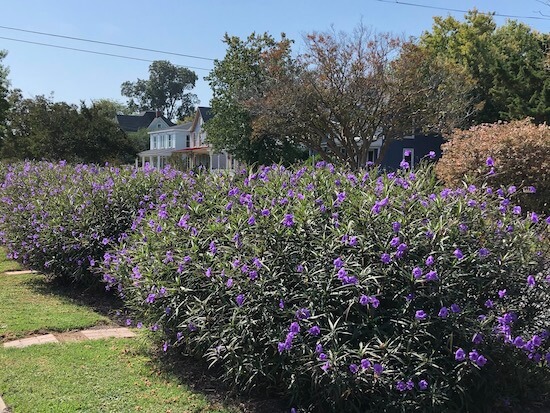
x: 188, y: 27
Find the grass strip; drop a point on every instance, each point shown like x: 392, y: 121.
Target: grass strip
x: 115, y: 375
x: 28, y: 305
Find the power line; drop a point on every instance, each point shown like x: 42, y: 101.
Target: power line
x: 94, y: 52
x: 106, y: 43
x: 460, y: 11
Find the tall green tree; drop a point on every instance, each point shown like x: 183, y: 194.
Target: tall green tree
x: 508, y: 64
x: 4, y: 103
x: 40, y: 128
x: 241, y: 76
x: 167, y: 90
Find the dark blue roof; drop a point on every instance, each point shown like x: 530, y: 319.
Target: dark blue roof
x: 206, y: 113
x: 133, y: 123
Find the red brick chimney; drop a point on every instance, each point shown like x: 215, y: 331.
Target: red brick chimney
x: 159, y: 114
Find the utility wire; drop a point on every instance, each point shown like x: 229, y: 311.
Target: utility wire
x: 460, y: 11
x: 94, y: 52
x: 106, y: 43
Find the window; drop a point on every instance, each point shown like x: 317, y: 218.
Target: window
x: 188, y: 141
x: 169, y: 141
x: 408, y: 156
x: 154, y: 142
x: 372, y: 155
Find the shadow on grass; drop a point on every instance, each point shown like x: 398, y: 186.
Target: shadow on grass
x: 94, y: 297
x: 195, y: 374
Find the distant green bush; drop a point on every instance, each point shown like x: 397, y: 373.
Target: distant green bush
x: 344, y: 291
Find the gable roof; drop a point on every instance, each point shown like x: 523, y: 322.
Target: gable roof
x: 132, y: 123
x: 203, y: 112
x: 206, y: 113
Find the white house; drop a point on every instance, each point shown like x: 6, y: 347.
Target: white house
x: 187, y: 140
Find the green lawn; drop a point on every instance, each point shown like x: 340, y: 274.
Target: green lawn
x: 29, y: 305
x: 7, y: 265
x: 93, y: 376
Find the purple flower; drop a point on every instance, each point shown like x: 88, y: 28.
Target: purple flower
x: 281, y: 304
x: 150, y: 298
x: 395, y: 242
x: 455, y: 308
x: 460, y: 355
x: 420, y: 315
x: 477, y: 338
x: 353, y: 241
x: 385, y: 258
x: 365, y: 364
x: 473, y: 355
x: 325, y: 366
x: 294, y: 327
x: 429, y: 261
x: 265, y: 212
x: 489, y: 304
x: 314, y: 331
x: 481, y: 361
x: 303, y: 314
x: 374, y: 302
x: 378, y: 369
x: 518, y: 342
x: 417, y: 272
x: 251, y: 220
x: 288, y: 221
x: 432, y: 276
x: 401, y: 386
x: 280, y: 347
x: 229, y: 283
x: 338, y: 263
x: 353, y: 368
x: 422, y: 385
x: 458, y: 254
x: 363, y: 300
x: 213, y: 248
x: 396, y: 226
x: 502, y: 293
x: 240, y: 300
x: 483, y: 252
x: 443, y: 312
x: 531, y: 281
x: 489, y: 162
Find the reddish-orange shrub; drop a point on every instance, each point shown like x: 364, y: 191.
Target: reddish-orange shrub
x: 502, y: 154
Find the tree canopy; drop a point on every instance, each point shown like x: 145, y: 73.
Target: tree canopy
x: 4, y: 85
x: 167, y: 90
x: 509, y: 64
x: 347, y: 90
x: 239, y: 77
x: 40, y: 128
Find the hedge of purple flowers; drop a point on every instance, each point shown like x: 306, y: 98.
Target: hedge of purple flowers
x: 61, y: 219
x: 347, y: 291
x: 342, y: 291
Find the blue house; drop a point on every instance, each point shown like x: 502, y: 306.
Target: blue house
x: 411, y: 149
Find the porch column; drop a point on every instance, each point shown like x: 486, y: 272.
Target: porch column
x: 210, y: 160
x: 158, y: 162
x: 136, y: 162
x: 226, y: 161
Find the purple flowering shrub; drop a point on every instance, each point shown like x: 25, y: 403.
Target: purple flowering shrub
x: 346, y: 291
x: 61, y: 219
